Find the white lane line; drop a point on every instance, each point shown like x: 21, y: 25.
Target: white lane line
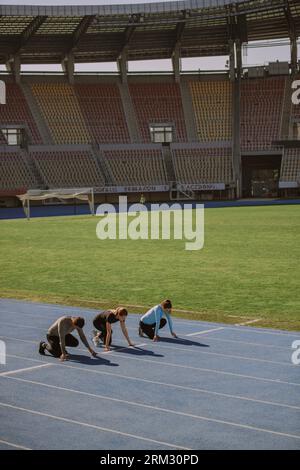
x: 27, y: 369
x: 118, y: 349
x: 19, y: 339
x: 14, y: 445
x: 262, y: 331
x: 92, y: 426
x: 205, y: 331
x: 229, y: 356
x: 75, y: 310
x: 213, y: 338
x: 249, y: 322
x: 17, y: 325
x: 180, y: 387
x: 212, y: 371
x: 168, y: 411
x: 247, y: 343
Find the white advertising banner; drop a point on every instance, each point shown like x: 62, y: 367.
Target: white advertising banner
x: 288, y: 184
x: 133, y: 189
x: 201, y: 187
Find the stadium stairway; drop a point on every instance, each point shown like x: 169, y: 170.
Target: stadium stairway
x: 188, y: 112
x: 102, y: 165
x: 166, y: 151
x: 40, y: 183
x: 37, y: 115
x: 131, y: 120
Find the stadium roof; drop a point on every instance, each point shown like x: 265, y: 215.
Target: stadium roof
x: 101, y: 33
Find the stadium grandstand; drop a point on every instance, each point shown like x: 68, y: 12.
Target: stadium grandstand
x: 220, y: 135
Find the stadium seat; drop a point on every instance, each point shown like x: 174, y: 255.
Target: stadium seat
x: 203, y: 165
x: 102, y: 108
x: 17, y: 112
x: 60, y: 108
x: 261, y: 111
x: 68, y: 168
x: 212, y: 102
x: 136, y: 167
x: 158, y: 103
x: 15, y: 176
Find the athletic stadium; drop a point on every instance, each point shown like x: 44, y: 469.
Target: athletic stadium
x: 226, y: 140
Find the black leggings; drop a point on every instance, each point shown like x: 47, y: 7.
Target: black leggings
x: 149, y: 330
x: 101, y: 326
x: 54, y: 347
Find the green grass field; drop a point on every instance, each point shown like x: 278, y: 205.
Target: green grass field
x: 249, y: 267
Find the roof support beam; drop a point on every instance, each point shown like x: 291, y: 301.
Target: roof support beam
x: 176, y: 62
x: 29, y: 32
x: 68, y: 61
x: 122, y: 63
x: 13, y: 65
x: 122, y: 59
x: 176, y: 52
x: 293, y: 38
x: 69, y: 67
x: 79, y: 32
x: 127, y: 38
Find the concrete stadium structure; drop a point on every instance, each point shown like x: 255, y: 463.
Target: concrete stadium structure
x: 175, y: 135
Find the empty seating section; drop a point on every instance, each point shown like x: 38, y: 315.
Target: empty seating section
x: 60, y: 108
x: 136, y: 167
x: 68, y: 168
x: 15, y: 176
x: 261, y: 112
x: 17, y: 112
x: 212, y: 102
x: 158, y: 103
x: 203, y: 165
x: 290, y: 167
x: 102, y: 108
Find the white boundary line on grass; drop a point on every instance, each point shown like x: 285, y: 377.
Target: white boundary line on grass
x: 180, y: 387
x: 92, y: 426
x: 27, y: 369
x: 212, y: 371
x: 249, y: 322
x: 168, y: 411
x: 14, y: 445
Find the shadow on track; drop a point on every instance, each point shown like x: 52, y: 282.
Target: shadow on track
x: 91, y: 361
x: 185, y: 342
x: 136, y: 351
